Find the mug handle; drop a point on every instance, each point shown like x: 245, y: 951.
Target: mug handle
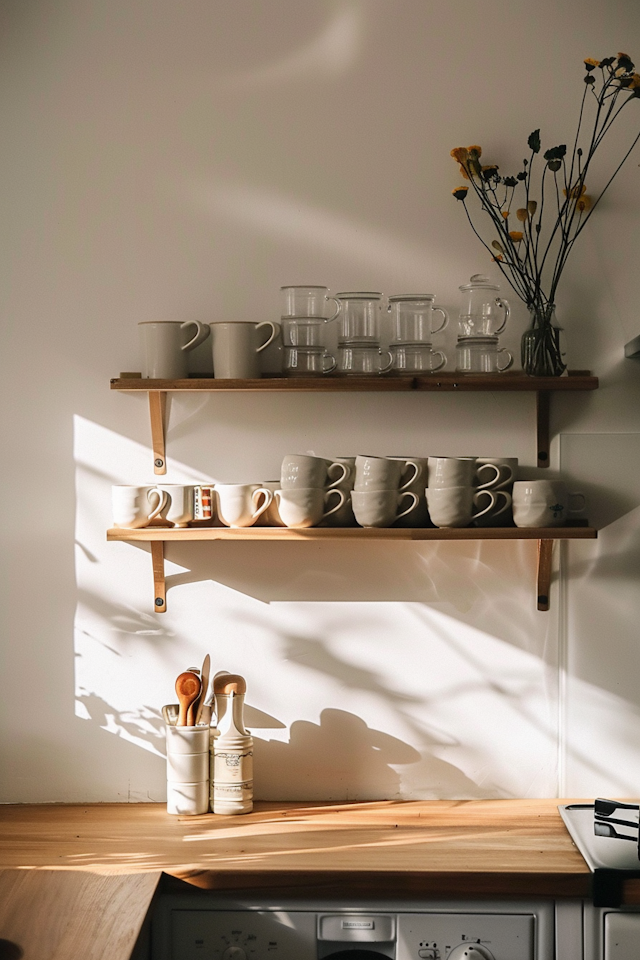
x: 331, y: 365
x: 340, y: 503
x: 404, y: 484
x: 509, y: 362
x: 338, y: 481
x: 507, y: 501
x: 580, y: 508
x: 493, y: 480
x: 387, y: 366
x: 268, y: 498
x: 507, y: 310
x: 439, y: 353
x: 414, y: 503
x: 275, y: 330
x: 163, y: 497
x: 486, y: 493
x: 201, y: 334
x: 333, y: 315
x: 445, y: 320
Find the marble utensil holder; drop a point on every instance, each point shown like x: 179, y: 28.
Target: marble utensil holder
x: 187, y: 770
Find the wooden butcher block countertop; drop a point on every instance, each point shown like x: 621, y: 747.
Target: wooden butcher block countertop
x: 95, y: 868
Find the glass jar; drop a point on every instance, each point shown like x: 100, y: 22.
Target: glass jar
x: 482, y: 312
x: 412, y: 318
x: 481, y: 355
x: 307, y: 301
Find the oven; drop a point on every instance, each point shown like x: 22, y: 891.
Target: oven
x: 208, y: 926
x: 607, y: 835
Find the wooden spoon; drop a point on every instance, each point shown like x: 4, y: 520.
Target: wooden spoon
x: 204, y: 675
x: 187, y: 689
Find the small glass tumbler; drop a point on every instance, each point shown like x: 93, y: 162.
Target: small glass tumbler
x: 412, y: 358
x: 362, y: 359
x: 481, y: 355
x: 307, y: 301
x: 307, y: 362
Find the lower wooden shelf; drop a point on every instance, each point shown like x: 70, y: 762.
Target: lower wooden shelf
x: 157, y: 536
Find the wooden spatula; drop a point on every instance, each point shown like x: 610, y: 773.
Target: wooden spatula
x: 204, y: 676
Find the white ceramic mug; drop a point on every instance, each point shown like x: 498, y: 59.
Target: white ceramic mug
x: 133, y: 507
x: 452, y: 471
x: 164, y: 350
x: 384, y: 473
x: 179, y: 509
x: 496, y: 473
x: 382, y: 508
x: 543, y: 503
x: 418, y: 516
x: 453, y: 506
x: 304, y: 471
x: 271, y: 516
x: 236, y: 347
x: 240, y: 504
x: 302, y: 507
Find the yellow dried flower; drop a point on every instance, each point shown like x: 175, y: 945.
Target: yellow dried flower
x: 522, y: 215
x: 499, y: 257
x: 635, y: 81
x: 464, y: 173
x: 460, y: 154
x: 516, y: 236
x: 460, y: 193
x: 584, y: 203
x: 497, y: 246
x: 591, y: 64
x: 623, y: 56
x: 532, y: 206
x: 505, y: 214
x: 475, y: 150
x: 576, y: 191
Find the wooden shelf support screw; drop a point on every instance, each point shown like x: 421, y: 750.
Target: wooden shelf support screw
x: 157, y: 412
x: 159, y: 585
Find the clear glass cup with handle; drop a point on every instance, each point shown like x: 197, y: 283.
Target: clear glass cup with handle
x: 482, y: 355
x: 306, y: 300
x: 307, y: 362
x: 362, y: 358
x: 359, y: 318
x: 415, y: 358
x: 412, y: 318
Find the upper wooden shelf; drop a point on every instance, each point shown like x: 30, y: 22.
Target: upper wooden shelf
x: 576, y: 380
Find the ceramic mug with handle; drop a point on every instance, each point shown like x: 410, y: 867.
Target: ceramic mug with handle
x: 454, y: 506
x: 544, y: 503
x: 303, y: 507
x: 236, y: 348
x: 240, y: 504
x: 135, y: 506
x: 165, y: 347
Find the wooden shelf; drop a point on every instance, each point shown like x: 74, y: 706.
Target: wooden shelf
x: 433, y: 383
x: 158, y: 536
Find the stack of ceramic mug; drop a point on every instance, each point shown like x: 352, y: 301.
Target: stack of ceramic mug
x: 453, y: 498
x: 381, y: 495
x: 412, y: 323
x: 304, y: 317
x: 309, y: 490
x: 496, y: 474
x: 359, y: 351
x: 482, y: 319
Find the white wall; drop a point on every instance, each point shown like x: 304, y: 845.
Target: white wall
x: 164, y: 160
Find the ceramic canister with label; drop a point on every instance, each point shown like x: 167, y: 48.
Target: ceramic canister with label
x: 231, y: 750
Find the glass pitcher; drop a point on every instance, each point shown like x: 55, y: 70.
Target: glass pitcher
x: 483, y: 313
x: 412, y: 318
x: 359, y: 317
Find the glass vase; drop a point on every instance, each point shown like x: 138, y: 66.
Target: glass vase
x: 543, y: 344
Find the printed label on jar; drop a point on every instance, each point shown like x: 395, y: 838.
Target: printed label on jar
x: 233, y: 766
x: 233, y: 791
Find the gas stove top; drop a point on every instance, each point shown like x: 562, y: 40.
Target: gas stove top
x: 606, y: 834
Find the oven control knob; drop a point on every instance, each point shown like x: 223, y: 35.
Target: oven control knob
x: 234, y: 953
x: 469, y: 951
x: 429, y: 953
